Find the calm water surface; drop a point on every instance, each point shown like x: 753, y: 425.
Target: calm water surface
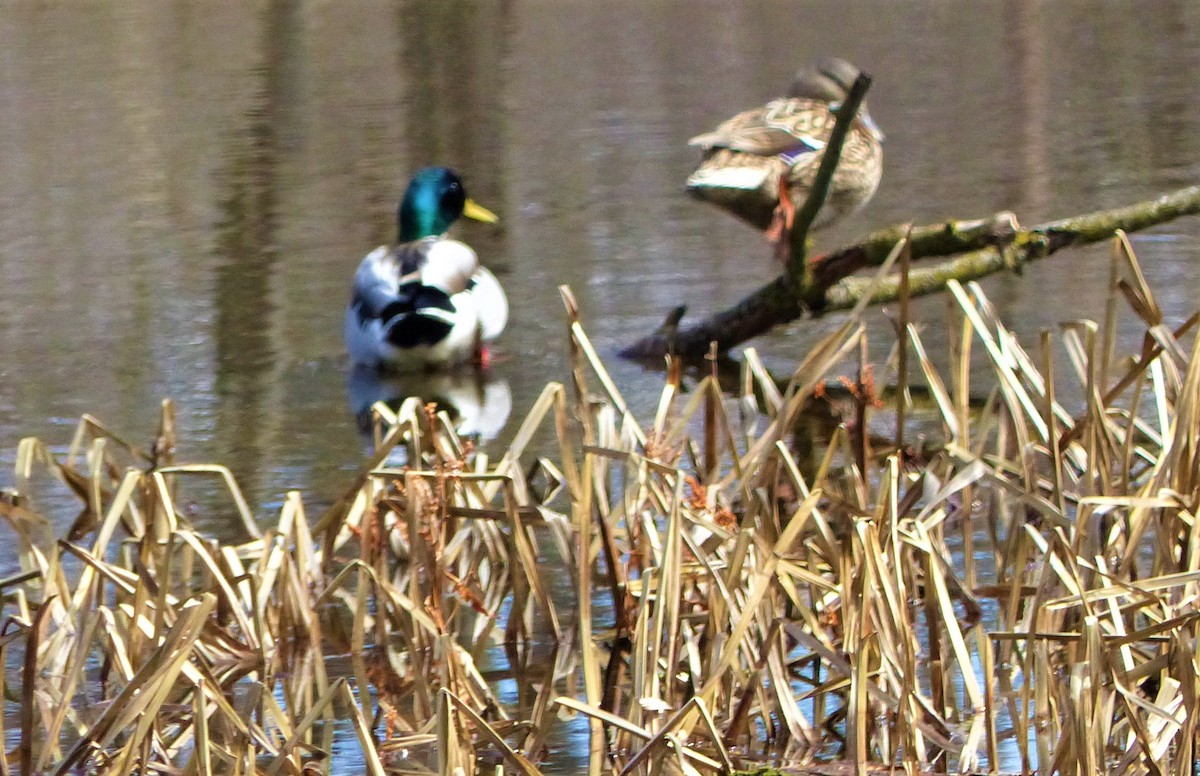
x: 186, y: 188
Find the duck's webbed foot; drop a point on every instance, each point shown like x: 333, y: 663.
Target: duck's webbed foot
x: 780, y: 231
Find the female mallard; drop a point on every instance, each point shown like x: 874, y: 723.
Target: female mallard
x: 746, y: 157
x: 426, y: 302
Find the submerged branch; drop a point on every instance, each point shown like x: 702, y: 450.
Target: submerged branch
x: 979, y: 248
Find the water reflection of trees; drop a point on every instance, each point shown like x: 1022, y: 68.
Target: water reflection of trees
x: 450, y: 64
x: 247, y: 253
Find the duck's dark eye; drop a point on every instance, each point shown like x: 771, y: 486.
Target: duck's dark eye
x: 453, y: 196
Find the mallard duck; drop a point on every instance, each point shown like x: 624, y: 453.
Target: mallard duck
x: 746, y: 156
x: 426, y: 302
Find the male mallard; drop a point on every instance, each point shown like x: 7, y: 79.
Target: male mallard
x: 747, y: 155
x: 426, y: 302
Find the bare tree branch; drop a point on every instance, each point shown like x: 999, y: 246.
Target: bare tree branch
x: 978, y: 248
x: 798, y: 269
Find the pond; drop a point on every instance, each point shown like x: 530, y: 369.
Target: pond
x: 187, y: 188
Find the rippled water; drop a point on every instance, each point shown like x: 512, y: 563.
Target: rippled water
x: 186, y: 188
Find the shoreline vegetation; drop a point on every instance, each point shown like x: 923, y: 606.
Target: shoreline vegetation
x: 1019, y: 596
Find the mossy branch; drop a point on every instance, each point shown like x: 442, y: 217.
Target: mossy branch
x: 978, y: 248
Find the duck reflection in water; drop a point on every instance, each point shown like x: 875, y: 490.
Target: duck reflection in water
x: 477, y: 401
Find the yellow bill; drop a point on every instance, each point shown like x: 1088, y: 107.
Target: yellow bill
x: 473, y: 209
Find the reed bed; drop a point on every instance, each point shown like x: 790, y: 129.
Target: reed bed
x: 1020, y: 588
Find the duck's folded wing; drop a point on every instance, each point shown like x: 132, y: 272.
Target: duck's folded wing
x: 380, y: 291
x: 789, y: 126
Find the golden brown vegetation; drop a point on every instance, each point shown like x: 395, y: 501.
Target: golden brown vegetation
x: 1026, y: 585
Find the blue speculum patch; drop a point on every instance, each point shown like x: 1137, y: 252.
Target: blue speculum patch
x: 790, y: 156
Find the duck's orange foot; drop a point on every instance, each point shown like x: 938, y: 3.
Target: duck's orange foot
x: 780, y: 230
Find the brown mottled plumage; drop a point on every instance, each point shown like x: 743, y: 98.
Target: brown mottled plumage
x: 746, y: 156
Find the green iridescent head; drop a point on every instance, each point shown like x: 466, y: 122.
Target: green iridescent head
x: 434, y: 200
